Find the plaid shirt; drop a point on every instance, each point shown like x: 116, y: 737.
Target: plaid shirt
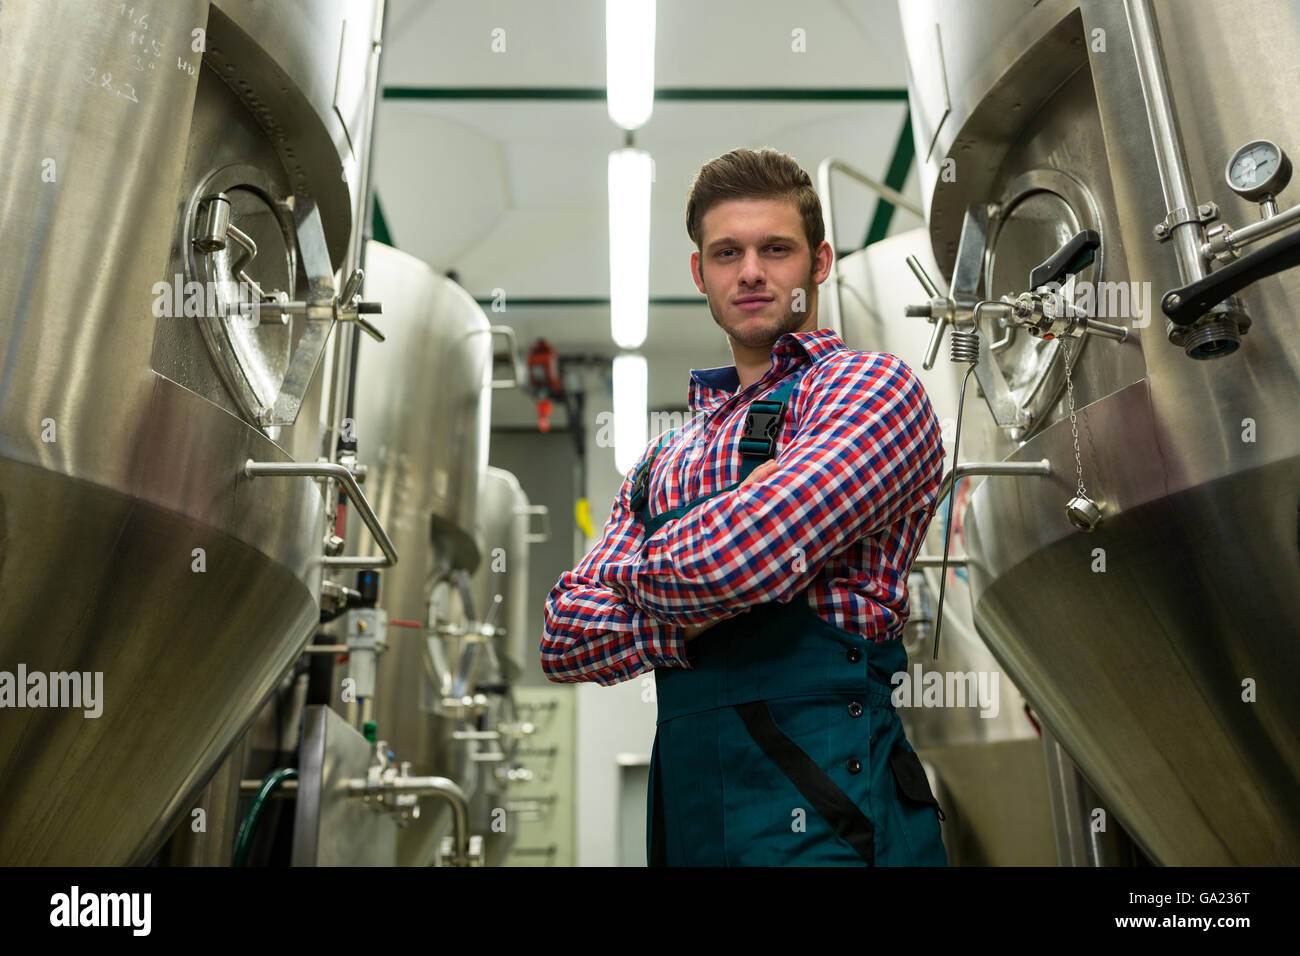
x: 859, y: 462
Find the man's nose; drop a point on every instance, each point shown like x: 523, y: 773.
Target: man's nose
x: 751, y: 268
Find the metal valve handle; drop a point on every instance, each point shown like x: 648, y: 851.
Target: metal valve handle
x: 941, y: 316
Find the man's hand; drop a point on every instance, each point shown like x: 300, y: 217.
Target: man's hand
x: 758, y: 474
x: 697, y: 630
x: 761, y: 472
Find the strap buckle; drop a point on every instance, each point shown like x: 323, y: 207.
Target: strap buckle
x: 762, y: 425
x: 641, y: 484
x: 641, y: 487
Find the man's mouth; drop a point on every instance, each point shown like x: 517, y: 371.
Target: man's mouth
x: 752, y: 303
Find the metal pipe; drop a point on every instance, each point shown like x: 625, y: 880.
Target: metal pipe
x: 1185, y: 230
x: 419, y: 786
x: 1234, y: 239
x: 475, y: 735
x: 890, y: 194
x: 340, y: 473
x: 887, y: 193
x: 922, y: 277
x: 286, y: 787
x: 1105, y: 329
x: 440, y: 787
x: 516, y: 379
x: 936, y: 561
x: 1042, y: 468
x: 949, y: 482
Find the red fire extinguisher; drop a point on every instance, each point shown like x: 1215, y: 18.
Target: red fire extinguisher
x: 544, y: 381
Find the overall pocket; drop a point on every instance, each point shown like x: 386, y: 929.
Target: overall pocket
x: 917, y: 811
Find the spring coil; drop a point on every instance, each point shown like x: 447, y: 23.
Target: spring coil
x: 964, y: 347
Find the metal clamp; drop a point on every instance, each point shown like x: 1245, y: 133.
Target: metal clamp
x: 325, y: 469
x: 1205, y: 212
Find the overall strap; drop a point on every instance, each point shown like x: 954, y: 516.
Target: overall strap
x: 641, y: 485
x: 763, y: 422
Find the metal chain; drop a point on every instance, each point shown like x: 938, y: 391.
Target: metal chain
x: 1074, y: 428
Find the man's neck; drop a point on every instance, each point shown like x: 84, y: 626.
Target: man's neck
x: 751, y: 364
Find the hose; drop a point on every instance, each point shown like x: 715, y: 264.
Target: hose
x: 248, y: 826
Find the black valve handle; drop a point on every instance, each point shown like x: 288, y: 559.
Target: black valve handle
x: 1187, y: 304
x: 1073, y: 257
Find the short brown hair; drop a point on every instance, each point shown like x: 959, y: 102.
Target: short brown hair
x: 754, y: 174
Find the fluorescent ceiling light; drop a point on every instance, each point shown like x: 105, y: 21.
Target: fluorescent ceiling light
x: 630, y: 61
x: 630, y: 403
x: 630, y: 171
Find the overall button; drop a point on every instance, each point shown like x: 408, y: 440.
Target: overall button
x: 854, y: 765
x: 854, y: 655
x: 855, y: 709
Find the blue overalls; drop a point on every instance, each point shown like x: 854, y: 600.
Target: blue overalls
x: 781, y: 746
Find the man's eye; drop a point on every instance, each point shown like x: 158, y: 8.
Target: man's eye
x: 781, y: 248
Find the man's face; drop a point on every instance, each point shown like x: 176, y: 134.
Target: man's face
x: 757, y: 271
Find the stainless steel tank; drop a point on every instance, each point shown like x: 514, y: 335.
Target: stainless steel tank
x: 501, y: 582
x: 1155, y: 646
x: 422, y: 421
x: 132, y: 543
x: 507, y: 517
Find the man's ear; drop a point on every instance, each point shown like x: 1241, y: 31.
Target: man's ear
x: 823, y: 264
x: 695, y: 272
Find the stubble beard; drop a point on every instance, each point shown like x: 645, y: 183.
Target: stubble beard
x: 757, y: 334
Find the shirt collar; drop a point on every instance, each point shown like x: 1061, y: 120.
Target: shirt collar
x: 711, y: 387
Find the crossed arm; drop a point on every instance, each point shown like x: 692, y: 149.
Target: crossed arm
x: 866, y: 452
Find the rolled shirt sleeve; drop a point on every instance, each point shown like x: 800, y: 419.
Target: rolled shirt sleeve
x: 592, y: 632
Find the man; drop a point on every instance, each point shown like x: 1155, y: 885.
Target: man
x: 760, y: 563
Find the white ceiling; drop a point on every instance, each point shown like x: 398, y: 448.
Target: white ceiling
x: 512, y: 194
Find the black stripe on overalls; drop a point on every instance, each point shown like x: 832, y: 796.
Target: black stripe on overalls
x: 834, y: 805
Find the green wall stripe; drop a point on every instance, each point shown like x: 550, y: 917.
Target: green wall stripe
x: 899, y: 165
x: 667, y: 94
x: 379, y: 225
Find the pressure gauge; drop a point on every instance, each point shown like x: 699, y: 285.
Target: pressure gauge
x: 1259, y: 169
